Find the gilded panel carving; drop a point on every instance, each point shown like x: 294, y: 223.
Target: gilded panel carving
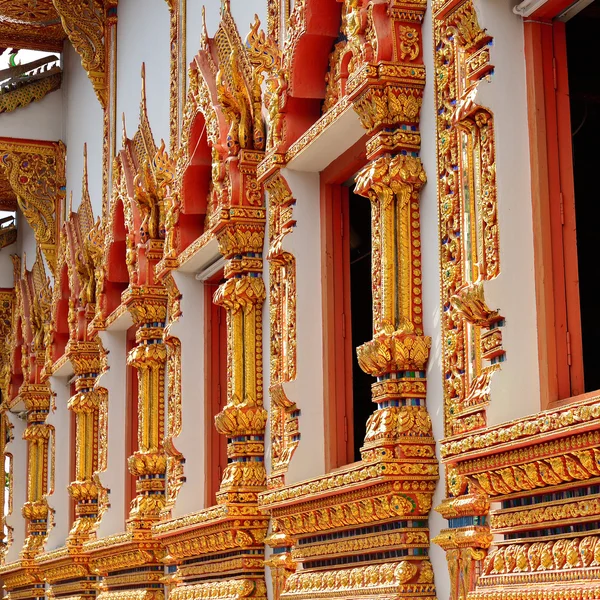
x: 285, y: 433
x: 27, y: 25
x: 30, y: 82
x: 84, y: 22
x: 36, y: 174
x: 468, y: 216
x: 469, y: 256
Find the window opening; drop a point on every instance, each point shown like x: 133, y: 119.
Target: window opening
x: 584, y: 95
x: 361, y: 308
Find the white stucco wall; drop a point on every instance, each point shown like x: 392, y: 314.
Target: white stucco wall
x: 191, y: 443
x: 515, y: 389
x: 38, y: 121
x: 18, y: 448
x: 25, y: 242
x: 60, y: 501
x: 143, y: 36
x: 194, y: 25
x: 82, y: 120
x: 6, y: 266
x: 431, y: 297
x: 113, y: 478
x: 307, y: 389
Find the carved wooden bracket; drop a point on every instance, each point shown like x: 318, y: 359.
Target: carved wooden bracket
x: 84, y: 22
x: 36, y: 173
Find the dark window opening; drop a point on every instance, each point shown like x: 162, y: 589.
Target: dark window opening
x: 361, y: 310
x: 584, y: 92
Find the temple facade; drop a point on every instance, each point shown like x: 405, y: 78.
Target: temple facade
x: 298, y: 300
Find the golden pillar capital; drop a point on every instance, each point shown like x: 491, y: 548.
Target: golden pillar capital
x: 241, y: 293
x: 392, y: 183
x: 36, y: 398
x: 466, y: 541
x: 147, y: 304
x: 86, y: 357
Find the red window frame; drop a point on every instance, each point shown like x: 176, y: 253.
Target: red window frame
x: 553, y: 204
x: 215, y: 322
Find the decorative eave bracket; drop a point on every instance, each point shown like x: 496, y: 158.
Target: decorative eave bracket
x: 36, y: 172
x: 85, y: 22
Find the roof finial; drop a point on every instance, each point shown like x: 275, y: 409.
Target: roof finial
x: 85, y: 165
x: 143, y: 101
x: 204, y: 31
x: 124, y: 136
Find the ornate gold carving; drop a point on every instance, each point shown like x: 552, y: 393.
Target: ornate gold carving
x: 392, y: 184
x: 23, y: 25
x: 533, y: 427
x: 395, y: 478
x: 177, y: 79
x: 232, y: 588
x: 24, y: 84
x: 36, y: 173
x: 84, y: 22
x: 467, y: 203
x: 378, y: 579
x: 282, y: 306
x: 175, y: 460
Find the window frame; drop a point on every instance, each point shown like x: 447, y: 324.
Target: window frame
x: 337, y: 323
x: 215, y: 394
x: 553, y: 207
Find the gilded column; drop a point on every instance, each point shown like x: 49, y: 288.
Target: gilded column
x: 387, y: 98
x: 362, y: 530
x: 466, y: 541
x: 392, y: 180
x: 243, y: 418
x: 472, y: 349
x: 148, y: 307
x: 36, y: 399
x: 86, y: 403
x: 397, y: 355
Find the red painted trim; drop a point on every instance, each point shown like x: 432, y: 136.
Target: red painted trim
x: 337, y: 366
x: 551, y: 9
x: 569, y: 230
x: 215, y: 353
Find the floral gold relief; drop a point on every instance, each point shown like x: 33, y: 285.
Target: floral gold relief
x: 469, y: 256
